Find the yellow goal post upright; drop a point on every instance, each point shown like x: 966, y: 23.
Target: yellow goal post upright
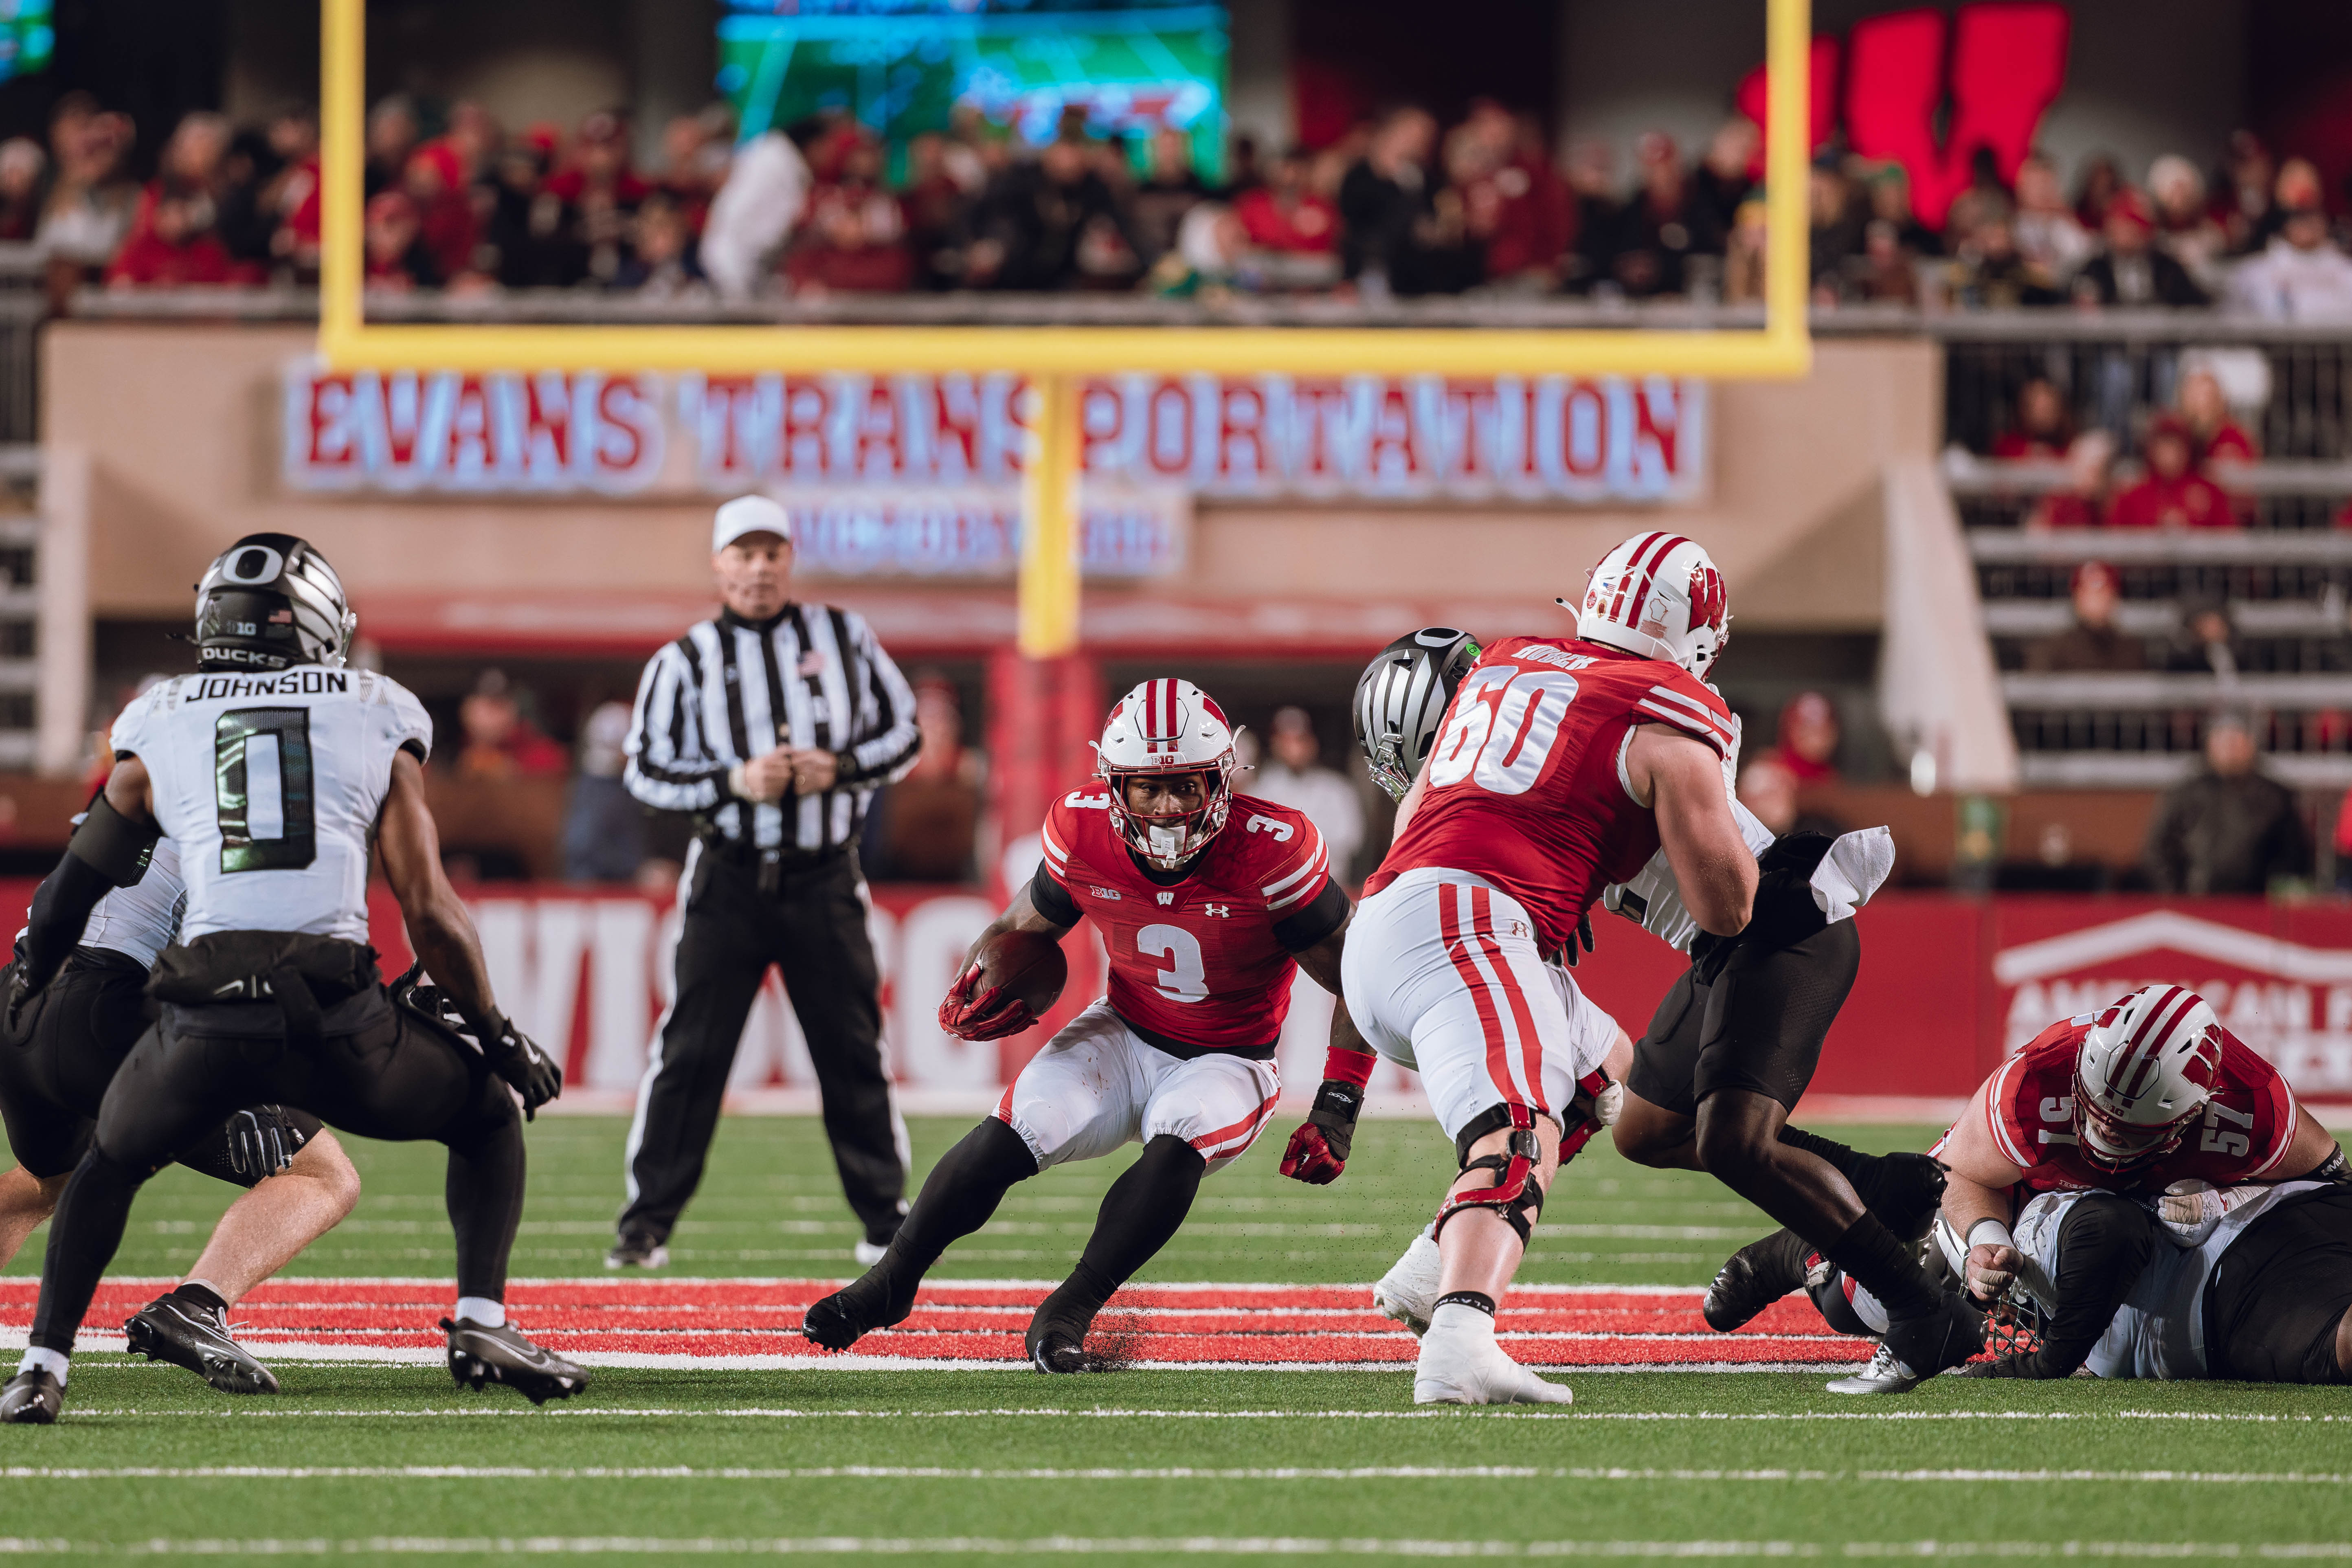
x: 1056, y: 359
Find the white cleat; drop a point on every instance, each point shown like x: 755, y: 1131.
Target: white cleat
x: 1884, y: 1375
x: 1461, y: 1364
x: 1408, y: 1291
x: 867, y: 1253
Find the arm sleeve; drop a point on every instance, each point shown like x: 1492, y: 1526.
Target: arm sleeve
x: 1311, y: 921
x: 1302, y: 871
x: 886, y: 749
x: 2279, y: 1110
x: 131, y: 726
x: 668, y: 768
x: 407, y: 723
x: 1051, y: 899
x: 1691, y: 707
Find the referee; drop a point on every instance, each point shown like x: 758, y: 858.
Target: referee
x: 774, y: 724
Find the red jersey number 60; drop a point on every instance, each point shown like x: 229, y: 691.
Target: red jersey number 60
x: 1501, y: 730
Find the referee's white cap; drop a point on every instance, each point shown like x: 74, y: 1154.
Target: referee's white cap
x: 748, y: 514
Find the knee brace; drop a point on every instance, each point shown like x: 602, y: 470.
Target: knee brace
x: 1515, y: 1196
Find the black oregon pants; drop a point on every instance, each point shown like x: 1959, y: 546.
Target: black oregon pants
x: 813, y: 929
x: 54, y: 1072
x: 373, y: 1069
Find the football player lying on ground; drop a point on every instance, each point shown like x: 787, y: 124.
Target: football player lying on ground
x: 1208, y: 903
x: 1400, y: 700
x: 273, y: 995
x: 2111, y: 1127
x: 56, y: 1060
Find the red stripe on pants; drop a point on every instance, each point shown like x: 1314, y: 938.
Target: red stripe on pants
x: 1250, y: 1124
x: 1530, y: 1044
x: 1458, y: 938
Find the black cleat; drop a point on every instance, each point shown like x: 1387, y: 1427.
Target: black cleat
x: 1057, y: 1351
x: 1755, y: 1277
x: 639, y: 1249
x: 1902, y: 1190
x: 1936, y: 1340
x: 478, y: 1355
x: 32, y: 1398
x: 186, y: 1335
x: 1056, y: 1340
x: 856, y: 1309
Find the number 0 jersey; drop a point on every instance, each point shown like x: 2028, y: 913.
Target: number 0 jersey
x: 2245, y: 1132
x: 1205, y: 962
x: 271, y: 785
x: 1527, y: 784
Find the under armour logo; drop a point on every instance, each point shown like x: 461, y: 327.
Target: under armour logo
x: 1519, y: 928
x: 1221, y: 911
x: 1166, y: 899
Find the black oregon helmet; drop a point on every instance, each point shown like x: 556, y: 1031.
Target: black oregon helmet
x: 1401, y: 698
x: 270, y: 601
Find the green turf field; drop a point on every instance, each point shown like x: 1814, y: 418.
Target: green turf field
x: 1141, y: 1464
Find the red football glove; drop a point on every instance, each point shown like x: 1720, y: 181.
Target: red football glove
x: 1311, y: 1158
x: 991, y: 1015
x: 1318, y: 1149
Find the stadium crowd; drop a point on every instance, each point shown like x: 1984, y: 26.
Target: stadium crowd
x: 1400, y: 205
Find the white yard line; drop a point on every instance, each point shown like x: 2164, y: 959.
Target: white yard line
x: 1148, y: 1473
x: 773, y: 1413
x: 1190, y: 1546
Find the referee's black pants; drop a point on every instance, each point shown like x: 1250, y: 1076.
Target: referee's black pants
x: 812, y: 927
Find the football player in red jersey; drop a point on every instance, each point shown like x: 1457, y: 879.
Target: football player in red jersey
x: 1208, y: 903
x: 2104, y: 1125
x: 1563, y: 766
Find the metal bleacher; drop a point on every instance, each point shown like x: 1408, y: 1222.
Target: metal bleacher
x: 2285, y: 579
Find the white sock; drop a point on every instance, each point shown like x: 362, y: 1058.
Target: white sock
x: 1461, y: 1317
x: 482, y: 1312
x: 38, y: 1359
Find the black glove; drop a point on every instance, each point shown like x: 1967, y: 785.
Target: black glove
x: 516, y: 1058
x: 1319, y: 1146
x: 260, y: 1144
x: 17, y: 1012
x: 1583, y: 935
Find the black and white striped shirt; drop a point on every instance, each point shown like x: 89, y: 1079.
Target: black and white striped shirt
x: 733, y: 690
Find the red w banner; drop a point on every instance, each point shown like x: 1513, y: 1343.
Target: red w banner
x: 1986, y: 75
x: 1949, y: 986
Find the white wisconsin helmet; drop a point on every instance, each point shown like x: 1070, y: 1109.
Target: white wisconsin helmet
x: 1657, y: 594
x: 1168, y: 726
x: 2144, y: 1072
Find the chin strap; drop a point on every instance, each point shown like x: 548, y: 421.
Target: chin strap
x: 1516, y: 1194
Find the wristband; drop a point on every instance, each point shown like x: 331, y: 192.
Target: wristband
x: 1341, y: 1064
x: 1989, y: 1232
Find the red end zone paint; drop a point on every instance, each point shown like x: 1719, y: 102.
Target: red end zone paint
x: 982, y: 1322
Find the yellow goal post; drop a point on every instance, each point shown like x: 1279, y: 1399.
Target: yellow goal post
x: 1055, y: 358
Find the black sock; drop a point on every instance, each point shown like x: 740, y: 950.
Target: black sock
x: 484, y: 1190
x: 958, y: 1197
x: 1478, y: 1299
x: 83, y: 1238
x: 1883, y: 1266
x: 1139, y: 1214
x: 1851, y: 1164
x: 196, y: 1295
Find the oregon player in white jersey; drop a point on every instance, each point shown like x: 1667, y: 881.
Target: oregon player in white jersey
x: 272, y: 768
x: 53, y: 1074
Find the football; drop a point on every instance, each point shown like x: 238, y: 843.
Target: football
x: 1030, y: 964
